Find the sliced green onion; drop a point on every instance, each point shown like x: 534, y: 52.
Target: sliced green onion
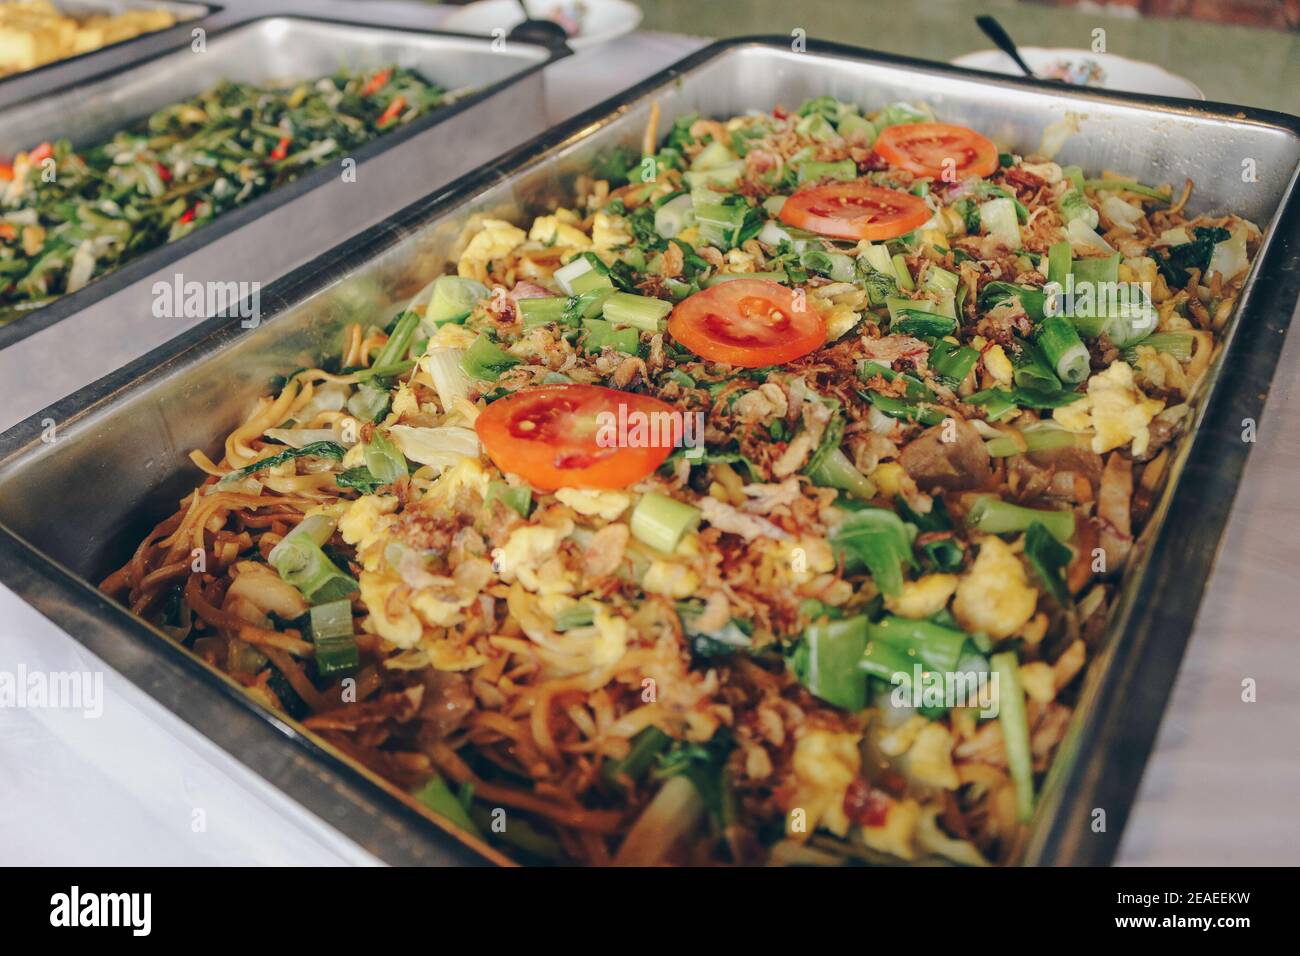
x: 1177, y: 344
x: 644, y: 752
x: 886, y: 662
x: 572, y: 618
x: 1131, y: 322
x: 581, y: 274
x: 599, y: 334
x: 724, y: 176
x: 905, y: 410
x: 922, y: 324
x: 876, y: 256
x: 877, y: 539
x: 834, y: 470
x: 336, y: 645
x: 453, y: 299
x: 995, y: 516
x: 845, y: 169
x: 1059, y: 261
x: 1096, y: 270
x: 384, y: 459
x: 516, y: 497
x: 712, y: 156
x: 905, y: 281
x: 853, y: 126
x: 998, y: 218
x: 542, y: 310
x: 996, y: 402
x: 299, y: 560
x: 1041, y: 437
x: 943, y: 284
x: 1064, y: 350
x: 827, y: 663
x: 1049, y: 559
x: 485, y: 360
x: 722, y: 277
x: 399, y: 343
x: 639, y: 311
x: 438, y: 797
x: 1130, y: 185
x: 720, y: 223
x: 1073, y: 204
x: 674, y: 216
x: 936, y: 647
x: 1015, y: 730
x: 1031, y: 369
x: 914, y: 388
x: 952, y: 362
x: 660, y: 522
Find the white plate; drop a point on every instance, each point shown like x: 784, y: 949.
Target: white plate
x: 588, y: 22
x: 1106, y: 71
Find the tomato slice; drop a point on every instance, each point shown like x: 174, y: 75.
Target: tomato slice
x: 855, y: 210
x: 747, y: 322
x: 578, y: 436
x: 923, y: 149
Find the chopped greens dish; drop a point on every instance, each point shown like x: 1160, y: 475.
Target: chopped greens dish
x: 69, y: 216
x: 765, y: 505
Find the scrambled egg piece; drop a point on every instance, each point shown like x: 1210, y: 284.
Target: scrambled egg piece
x: 1039, y: 681
x: 466, y: 474
x: 447, y: 655
x: 609, y: 232
x: 1114, y: 409
x: 1159, y: 370
x: 800, y: 559
x: 898, y: 740
x: 671, y: 579
x: 611, y: 638
x: 363, y: 523
x: 889, y: 478
x: 552, y: 231
x: 398, y: 625
x: 929, y: 760
x: 895, y: 836
x: 995, y: 596
x: 605, y: 504
x: 529, y: 556
x: 923, y: 597
x: 998, y: 365
x: 439, y: 612
x: 496, y: 240
x: 825, y: 763
x: 404, y: 401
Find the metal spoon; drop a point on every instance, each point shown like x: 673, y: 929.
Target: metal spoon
x: 545, y: 32
x: 1001, y: 39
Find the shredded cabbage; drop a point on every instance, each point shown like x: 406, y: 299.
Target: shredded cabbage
x: 441, y: 447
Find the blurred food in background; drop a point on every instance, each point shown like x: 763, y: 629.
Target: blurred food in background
x: 36, y: 32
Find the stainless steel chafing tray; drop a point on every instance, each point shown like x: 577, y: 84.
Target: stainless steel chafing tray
x: 186, y: 14
x: 274, y: 233
x: 75, y: 508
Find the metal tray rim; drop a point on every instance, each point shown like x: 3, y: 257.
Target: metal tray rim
x: 1051, y: 840
x: 154, y: 259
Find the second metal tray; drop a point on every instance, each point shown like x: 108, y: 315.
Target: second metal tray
x: 281, y: 48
